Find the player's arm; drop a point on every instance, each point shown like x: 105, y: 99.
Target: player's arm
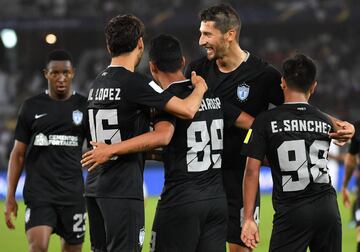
x: 244, y: 120
x: 350, y: 164
x: 160, y: 136
x: 343, y: 131
x: 235, y: 116
x: 15, y: 167
x: 187, y: 108
x: 250, y: 231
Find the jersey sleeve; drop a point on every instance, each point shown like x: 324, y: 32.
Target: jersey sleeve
x: 23, y: 128
x: 159, y: 115
x: 231, y: 112
x: 354, y: 147
x: 146, y: 92
x: 255, y: 144
x: 274, y: 92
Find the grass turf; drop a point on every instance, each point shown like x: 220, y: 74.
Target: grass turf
x: 15, y: 240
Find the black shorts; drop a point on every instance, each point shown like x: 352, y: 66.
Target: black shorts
x: 116, y: 224
x: 198, y: 226
x: 68, y: 221
x: 232, y: 179
x: 316, y: 225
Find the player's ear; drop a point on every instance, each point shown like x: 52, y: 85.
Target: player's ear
x: 283, y: 83
x: 183, y: 62
x: 231, y: 35
x: 153, y: 68
x: 108, y: 49
x: 140, y: 44
x: 45, y: 72
x: 313, y: 86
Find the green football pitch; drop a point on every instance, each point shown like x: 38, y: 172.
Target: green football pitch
x: 15, y: 241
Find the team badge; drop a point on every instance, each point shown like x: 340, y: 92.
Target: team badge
x: 141, y: 236
x: 77, y: 117
x: 27, y: 215
x: 243, y: 91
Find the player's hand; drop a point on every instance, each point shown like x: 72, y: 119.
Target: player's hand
x: 198, y: 81
x: 100, y: 153
x: 345, y: 197
x: 11, y: 209
x: 250, y: 234
x: 345, y: 131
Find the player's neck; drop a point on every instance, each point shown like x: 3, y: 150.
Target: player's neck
x: 232, y: 59
x: 59, y: 97
x: 166, y: 79
x: 294, y: 96
x: 127, y: 61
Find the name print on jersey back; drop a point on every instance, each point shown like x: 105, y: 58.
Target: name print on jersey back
x: 102, y: 94
x: 297, y: 150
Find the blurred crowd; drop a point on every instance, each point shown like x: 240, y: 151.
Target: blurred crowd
x: 322, y: 29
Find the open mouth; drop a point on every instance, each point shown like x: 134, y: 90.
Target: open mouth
x: 209, y: 50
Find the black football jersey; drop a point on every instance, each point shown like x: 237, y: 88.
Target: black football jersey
x: 192, y: 159
x: 294, y: 138
x: 118, y: 109
x: 251, y: 88
x: 354, y: 148
x: 54, y: 132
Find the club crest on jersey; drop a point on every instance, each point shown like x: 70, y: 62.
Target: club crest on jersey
x: 243, y: 91
x: 77, y: 117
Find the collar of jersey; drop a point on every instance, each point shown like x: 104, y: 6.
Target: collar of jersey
x: 296, y: 103
x: 47, y: 92
x: 176, y: 82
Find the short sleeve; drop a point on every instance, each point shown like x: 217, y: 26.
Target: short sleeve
x: 146, y: 92
x: 274, y: 94
x: 231, y: 112
x: 255, y: 144
x: 23, y: 131
x: 159, y: 115
x: 354, y: 147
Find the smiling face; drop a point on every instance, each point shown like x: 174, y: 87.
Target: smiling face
x: 59, y: 74
x: 213, y: 40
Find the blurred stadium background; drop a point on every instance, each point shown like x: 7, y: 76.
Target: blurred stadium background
x: 326, y: 30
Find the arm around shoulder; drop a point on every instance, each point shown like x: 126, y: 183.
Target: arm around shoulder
x: 187, y: 108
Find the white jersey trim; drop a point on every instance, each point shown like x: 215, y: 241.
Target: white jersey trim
x: 156, y: 87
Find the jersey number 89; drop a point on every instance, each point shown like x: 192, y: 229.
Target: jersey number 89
x: 200, y: 155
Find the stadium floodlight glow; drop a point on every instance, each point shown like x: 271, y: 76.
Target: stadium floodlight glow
x: 9, y: 38
x: 50, y: 38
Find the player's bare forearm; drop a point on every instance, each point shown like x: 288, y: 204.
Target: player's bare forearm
x: 350, y: 164
x: 244, y: 120
x: 250, y: 186
x: 187, y: 108
x: 16, y: 164
x: 250, y: 232
x: 102, y: 153
x: 15, y: 167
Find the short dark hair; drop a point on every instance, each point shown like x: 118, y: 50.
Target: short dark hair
x: 224, y: 16
x: 165, y: 52
x: 59, y: 54
x: 299, y: 72
x: 123, y: 33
